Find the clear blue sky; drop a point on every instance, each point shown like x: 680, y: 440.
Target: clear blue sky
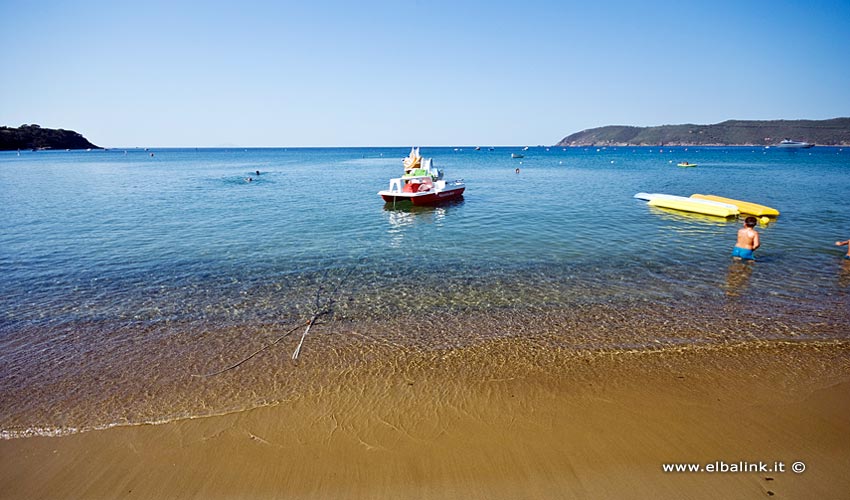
x: 371, y: 73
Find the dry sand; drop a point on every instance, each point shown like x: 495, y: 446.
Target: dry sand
x: 491, y: 421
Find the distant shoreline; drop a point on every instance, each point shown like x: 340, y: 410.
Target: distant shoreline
x: 461, y: 149
x: 833, y: 132
x: 743, y: 133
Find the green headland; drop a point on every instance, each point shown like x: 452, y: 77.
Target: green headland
x: 36, y: 137
x: 832, y: 132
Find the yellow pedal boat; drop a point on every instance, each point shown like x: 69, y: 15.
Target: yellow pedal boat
x: 744, y: 207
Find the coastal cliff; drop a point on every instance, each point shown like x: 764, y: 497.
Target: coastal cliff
x: 833, y: 132
x: 35, y: 137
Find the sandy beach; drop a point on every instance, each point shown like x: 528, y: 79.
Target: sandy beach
x: 497, y: 420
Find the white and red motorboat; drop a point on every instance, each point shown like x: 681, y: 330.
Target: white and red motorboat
x: 421, y: 184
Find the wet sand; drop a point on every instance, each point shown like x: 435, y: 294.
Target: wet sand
x: 501, y: 419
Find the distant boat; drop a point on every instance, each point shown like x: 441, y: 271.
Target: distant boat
x: 525, y: 148
x: 478, y: 148
x: 517, y: 155
x: 686, y: 164
x: 789, y: 144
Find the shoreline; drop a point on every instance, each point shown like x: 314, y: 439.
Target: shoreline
x: 102, y: 390
x: 498, y: 420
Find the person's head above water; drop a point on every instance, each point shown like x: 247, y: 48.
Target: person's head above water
x: 750, y: 222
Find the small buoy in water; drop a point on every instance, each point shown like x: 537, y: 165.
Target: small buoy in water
x: 764, y: 220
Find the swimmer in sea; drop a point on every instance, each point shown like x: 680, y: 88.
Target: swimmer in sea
x: 842, y: 243
x: 748, y: 241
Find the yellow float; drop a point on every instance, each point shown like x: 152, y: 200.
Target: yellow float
x: 744, y: 207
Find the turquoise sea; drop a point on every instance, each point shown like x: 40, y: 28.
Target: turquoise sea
x: 126, y: 274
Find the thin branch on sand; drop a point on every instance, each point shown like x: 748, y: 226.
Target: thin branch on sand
x: 258, y: 351
x: 321, y: 309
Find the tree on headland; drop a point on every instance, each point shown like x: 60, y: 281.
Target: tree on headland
x: 35, y: 137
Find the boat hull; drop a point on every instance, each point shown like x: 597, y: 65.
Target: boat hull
x: 794, y: 145
x: 425, y: 198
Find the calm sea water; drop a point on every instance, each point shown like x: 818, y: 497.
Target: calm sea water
x: 124, y: 274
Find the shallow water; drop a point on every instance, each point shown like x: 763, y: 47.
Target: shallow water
x: 124, y: 273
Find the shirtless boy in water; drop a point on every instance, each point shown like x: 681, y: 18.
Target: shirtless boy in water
x: 748, y: 240
x: 845, y: 242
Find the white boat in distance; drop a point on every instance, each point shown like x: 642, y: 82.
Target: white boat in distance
x: 789, y: 144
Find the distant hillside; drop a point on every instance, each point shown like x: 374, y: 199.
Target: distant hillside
x: 834, y: 132
x: 35, y: 137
